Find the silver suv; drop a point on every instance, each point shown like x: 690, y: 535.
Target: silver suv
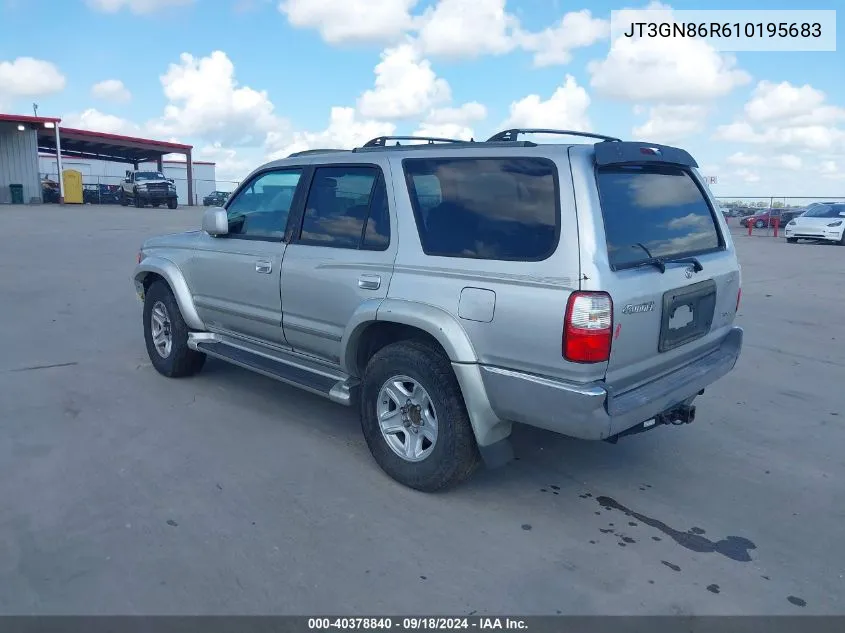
x: 448, y: 289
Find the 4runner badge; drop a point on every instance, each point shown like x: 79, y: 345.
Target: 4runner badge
x: 637, y: 308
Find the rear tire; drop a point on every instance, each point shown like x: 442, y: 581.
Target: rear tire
x: 156, y: 205
x: 759, y: 224
x: 421, y: 375
x: 166, y: 334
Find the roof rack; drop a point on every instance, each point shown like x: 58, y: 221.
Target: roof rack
x: 381, y: 141
x: 307, y: 152
x: 510, y: 135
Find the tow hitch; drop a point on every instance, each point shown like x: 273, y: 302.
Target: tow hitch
x: 676, y: 416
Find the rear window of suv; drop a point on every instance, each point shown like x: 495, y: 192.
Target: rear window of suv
x: 485, y: 208
x: 654, y: 211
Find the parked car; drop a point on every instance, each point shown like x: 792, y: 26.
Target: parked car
x: 787, y: 215
x: 764, y: 218
x: 148, y: 187
x: 823, y: 222
x: 449, y: 289
x: 100, y: 194
x: 215, y: 199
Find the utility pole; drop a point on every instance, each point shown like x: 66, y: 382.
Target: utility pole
x: 35, y: 109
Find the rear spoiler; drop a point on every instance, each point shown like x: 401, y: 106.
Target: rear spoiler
x: 630, y: 153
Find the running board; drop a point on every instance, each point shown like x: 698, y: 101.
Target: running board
x: 331, y: 387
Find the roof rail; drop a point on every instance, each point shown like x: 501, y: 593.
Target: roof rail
x: 381, y: 141
x: 510, y: 135
x: 307, y: 152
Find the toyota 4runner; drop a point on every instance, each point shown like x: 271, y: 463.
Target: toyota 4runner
x: 448, y: 289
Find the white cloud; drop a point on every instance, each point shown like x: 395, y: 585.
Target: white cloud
x: 206, y: 101
x: 670, y: 123
x: 456, y: 29
x: 344, y: 131
x: 553, y: 45
x: 230, y: 165
x: 785, y: 103
x: 789, y: 161
x: 810, y: 137
x: 746, y: 175
x: 138, y: 7
x: 29, y: 77
x: 405, y: 86
x: 743, y: 159
x: 111, y: 90
x: 452, y: 122
x: 96, y: 121
x: 831, y: 170
x: 466, y: 29
x: 664, y: 70
x: 352, y: 21
x: 565, y: 109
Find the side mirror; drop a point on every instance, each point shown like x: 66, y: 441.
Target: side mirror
x: 215, y: 221
x: 127, y: 180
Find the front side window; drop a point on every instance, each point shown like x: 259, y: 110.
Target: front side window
x: 347, y: 208
x: 485, y: 208
x: 653, y: 211
x: 261, y: 209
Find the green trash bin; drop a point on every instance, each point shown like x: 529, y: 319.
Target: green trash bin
x: 17, y: 193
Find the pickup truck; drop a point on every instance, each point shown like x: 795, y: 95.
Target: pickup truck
x: 148, y: 187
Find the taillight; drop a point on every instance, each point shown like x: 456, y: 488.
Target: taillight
x: 588, y: 326
x: 738, y: 297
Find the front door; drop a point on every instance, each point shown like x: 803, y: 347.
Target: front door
x: 235, y: 279
x: 341, y: 256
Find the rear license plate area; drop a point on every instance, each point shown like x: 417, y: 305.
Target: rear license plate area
x: 687, y: 314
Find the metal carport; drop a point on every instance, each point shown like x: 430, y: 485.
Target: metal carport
x: 70, y: 142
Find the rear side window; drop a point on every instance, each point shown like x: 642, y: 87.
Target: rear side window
x: 654, y: 212
x: 485, y: 208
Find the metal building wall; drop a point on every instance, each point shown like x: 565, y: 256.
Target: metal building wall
x: 18, y: 162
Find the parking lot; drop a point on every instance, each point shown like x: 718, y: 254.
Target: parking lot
x: 125, y: 492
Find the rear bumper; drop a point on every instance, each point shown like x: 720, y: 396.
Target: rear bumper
x: 595, y: 411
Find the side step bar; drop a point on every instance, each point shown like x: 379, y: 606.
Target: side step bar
x: 331, y: 387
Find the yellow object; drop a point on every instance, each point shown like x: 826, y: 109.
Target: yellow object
x: 73, y: 186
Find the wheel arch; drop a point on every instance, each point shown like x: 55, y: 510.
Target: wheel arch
x: 154, y: 268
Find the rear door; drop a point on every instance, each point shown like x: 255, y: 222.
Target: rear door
x: 341, y: 255
x: 650, y: 204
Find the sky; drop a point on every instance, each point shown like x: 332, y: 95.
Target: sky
x: 246, y: 81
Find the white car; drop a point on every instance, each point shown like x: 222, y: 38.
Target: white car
x: 822, y: 221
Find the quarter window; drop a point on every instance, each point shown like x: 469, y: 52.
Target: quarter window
x: 487, y: 208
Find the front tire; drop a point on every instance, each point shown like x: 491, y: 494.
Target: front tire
x: 414, y: 418
x: 792, y: 240
x: 166, y: 334
x: 123, y: 201
x: 759, y: 224
x: 171, y: 204
x: 138, y: 202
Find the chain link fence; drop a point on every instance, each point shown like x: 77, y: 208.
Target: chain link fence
x: 106, y: 189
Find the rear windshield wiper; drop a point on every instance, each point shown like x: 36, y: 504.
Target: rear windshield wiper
x: 660, y: 262
x: 696, y: 265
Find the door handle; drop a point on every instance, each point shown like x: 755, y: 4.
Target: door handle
x: 369, y: 282
x: 263, y: 266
